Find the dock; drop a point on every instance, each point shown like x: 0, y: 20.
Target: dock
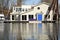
x: 8, y: 21
x: 15, y: 21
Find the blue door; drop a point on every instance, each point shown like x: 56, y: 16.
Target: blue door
x: 39, y: 17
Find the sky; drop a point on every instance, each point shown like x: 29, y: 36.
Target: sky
x: 59, y: 1
x: 28, y: 2
x: 31, y: 2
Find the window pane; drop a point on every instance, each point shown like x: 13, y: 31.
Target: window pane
x: 49, y: 16
x: 24, y: 17
x: 38, y: 8
x: 30, y: 17
x: 19, y: 9
x: 12, y: 17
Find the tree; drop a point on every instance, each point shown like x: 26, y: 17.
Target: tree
x: 48, y: 1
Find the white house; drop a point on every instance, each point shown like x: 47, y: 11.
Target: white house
x: 31, y: 13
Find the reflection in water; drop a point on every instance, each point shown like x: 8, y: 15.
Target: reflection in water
x: 6, y: 31
x: 1, y: 30
x: 30, y: 31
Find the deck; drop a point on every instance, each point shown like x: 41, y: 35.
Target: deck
x: 9, y: 21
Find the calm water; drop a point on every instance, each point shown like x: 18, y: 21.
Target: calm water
x: 29, y: 31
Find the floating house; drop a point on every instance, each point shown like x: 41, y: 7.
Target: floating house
x: 31, y: 13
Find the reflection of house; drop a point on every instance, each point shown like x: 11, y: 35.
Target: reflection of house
x: 31, y: 13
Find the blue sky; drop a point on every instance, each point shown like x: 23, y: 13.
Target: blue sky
x: 59, y: 1
x: 31, y: 2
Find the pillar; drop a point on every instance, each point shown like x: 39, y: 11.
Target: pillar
x: 11, y: 17
x: 34, y: 16
x: 20, y: 17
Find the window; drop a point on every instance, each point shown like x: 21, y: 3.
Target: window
x: 49, y: 16
x: 24, y: 17
x: 38, y: 8
x: 19, y: 9
x: 45, y: 16
x: 54, y: 17
x: 14, y: 8
x: 12, y: 17
x: 30, y: 17
x: 22, y: 9
x: 26, y: 9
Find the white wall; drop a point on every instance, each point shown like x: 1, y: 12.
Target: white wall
x: 43, y: 8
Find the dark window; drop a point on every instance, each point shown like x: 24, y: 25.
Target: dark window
x: 38, y: 8
x: 22, y: 9
x: 12, y: 17
x: 26, y: 9
x: 45, y: 16
x: 19, y: 9
x: 30, y: 17
x: 55, y: 17
x: 49, y: 16
x: 24, y: 17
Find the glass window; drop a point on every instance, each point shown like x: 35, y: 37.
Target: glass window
x: 30, y: 17
x: 12, y: 17
x: 45, y: 16
x: 16, y: 9
x: 19, y: 9
x: 22, y: 9
x: 49, y: 16
x: 38, y: 8
x: 24, y: 17
x: 26, y: 9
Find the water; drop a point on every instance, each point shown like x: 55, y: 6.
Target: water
x: 29, y: 31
